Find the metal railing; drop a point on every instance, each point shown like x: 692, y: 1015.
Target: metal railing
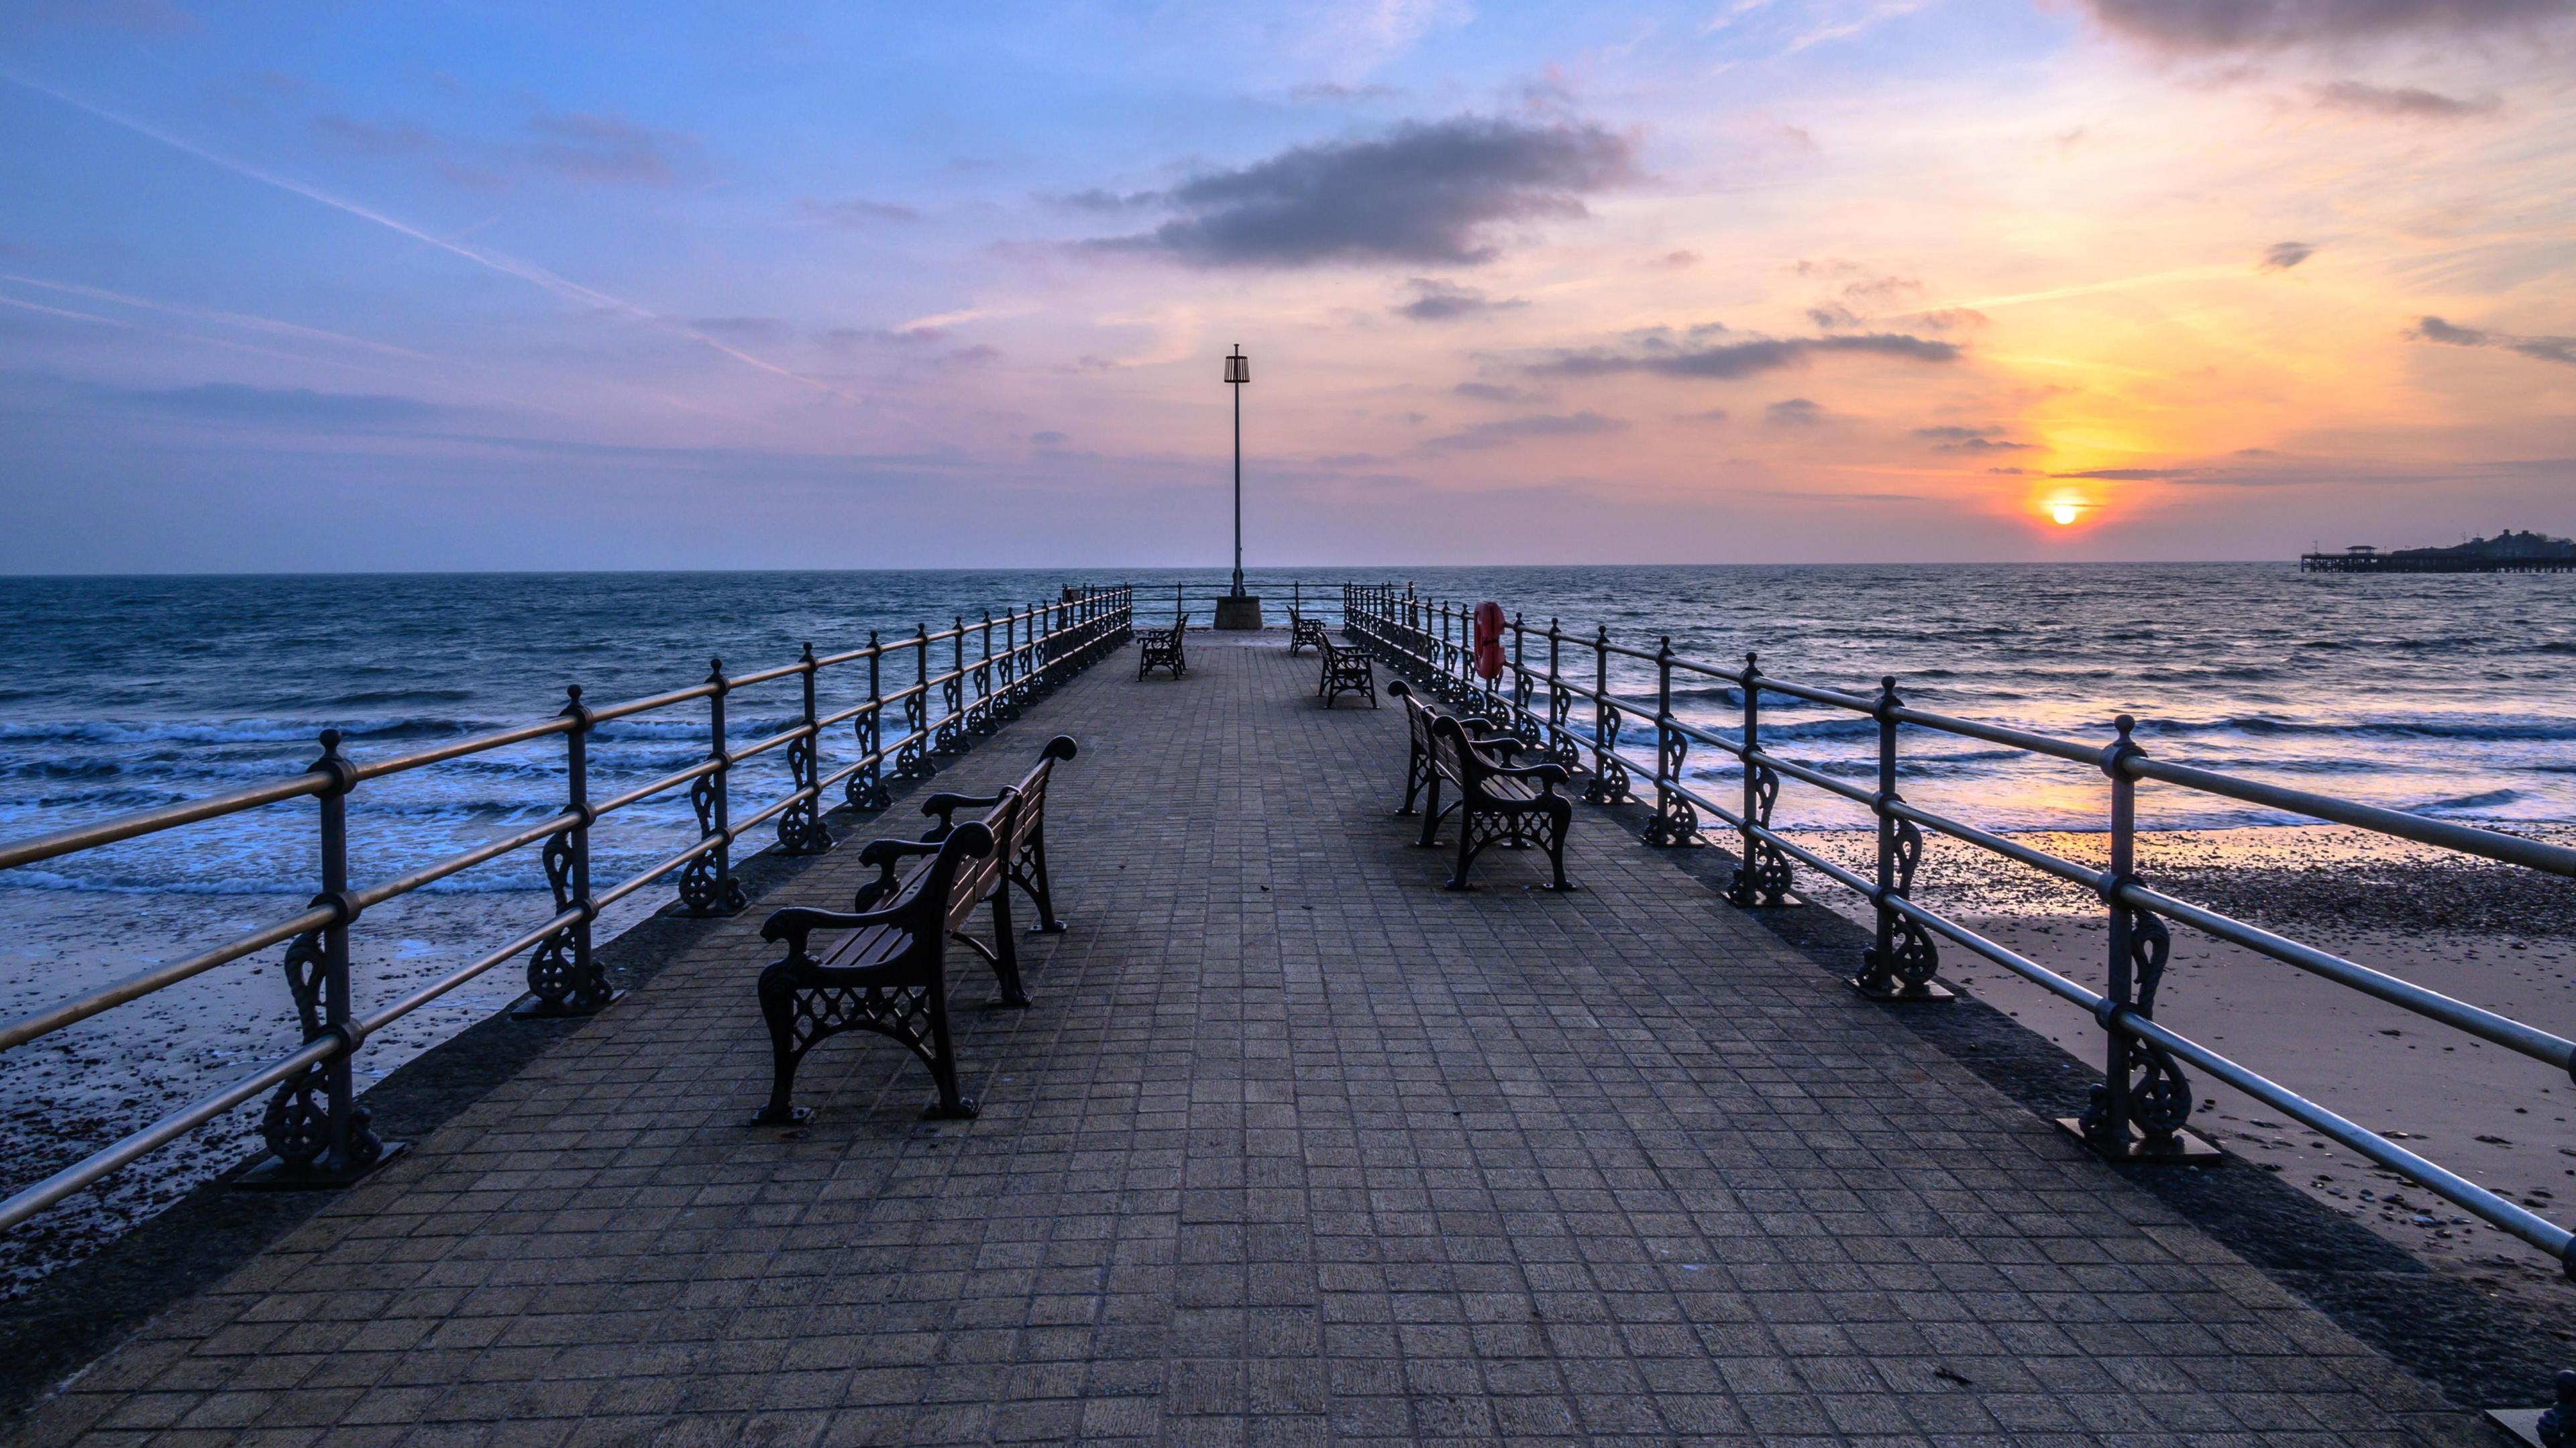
x: 1562, y: 705
x: 1197, y: 599
x: 965, y: 681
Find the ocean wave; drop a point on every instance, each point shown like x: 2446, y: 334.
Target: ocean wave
x: 2469, y: 804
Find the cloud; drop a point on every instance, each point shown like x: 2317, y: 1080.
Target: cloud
x: 1439, y: 301
x: 2543, y: 349
x: 2137, y: 475
x: 1657, y: 353
x: 1793, y: 412
x: 1334, y: 93
x: 2283, y: 255
x: 1678, y: 259
x: 1048, y: 438
x: 859, y: 212
x: 2403, y: 102
x: 289, y: 406
x: 1423, y: 192
x: 1714, y: 414
x: 606, y: 148
x: 1520, y: 429
x: 1970, y: 440
x: 2218, y: 26
x: 1495, y: 392
x: 1099, y: 201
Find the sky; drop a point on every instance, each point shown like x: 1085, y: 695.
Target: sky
x: 303, y: 286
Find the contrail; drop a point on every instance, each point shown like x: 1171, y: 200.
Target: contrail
x: 500, y: 262
x: 61, y: 312
x: 212, y: 314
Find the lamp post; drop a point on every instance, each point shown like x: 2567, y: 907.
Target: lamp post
x: 1236, y: 610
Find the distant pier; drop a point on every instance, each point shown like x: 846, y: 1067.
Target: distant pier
x: 2507, y: 552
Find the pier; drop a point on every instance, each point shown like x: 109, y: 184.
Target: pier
x: 1294, y: 1146
x: 1294, y: 1143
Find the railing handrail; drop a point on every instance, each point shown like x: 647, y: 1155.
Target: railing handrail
x: 1018, y: 652
x: 1432, y: 635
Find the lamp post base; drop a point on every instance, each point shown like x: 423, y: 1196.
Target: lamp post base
x: 1239, y: 611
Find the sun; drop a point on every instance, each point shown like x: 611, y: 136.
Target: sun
x: 2065, y: 514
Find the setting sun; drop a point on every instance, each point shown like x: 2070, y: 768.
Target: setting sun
x: 2064, y: 513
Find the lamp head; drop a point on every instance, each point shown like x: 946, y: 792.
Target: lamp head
x: 1238, y: 368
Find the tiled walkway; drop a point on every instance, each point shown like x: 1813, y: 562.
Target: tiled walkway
x: 1294, y: 1147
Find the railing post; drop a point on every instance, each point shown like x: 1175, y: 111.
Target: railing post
x: 800, y: 827
x: 1609, y: 775
x: 1524, y: 723
x: 1560, y: 744
x: 1761, y: 871
x: 707, y: 885
x: 866, y: 789
x: 1675, y: 822
x: 979, y: 718
x: 1901, y: 959
x: 2157, y: 1099
x: 314, y: 1124
x: 563, y: 977
x: 911, y: 755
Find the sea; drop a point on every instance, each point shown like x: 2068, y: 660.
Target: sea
x: 2449, y: 695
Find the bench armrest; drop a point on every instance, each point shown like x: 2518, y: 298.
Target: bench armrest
x: 885, y: 855
x: 886, y: 852
x: 1548, y: 774
x: 797, y: 922
x: 946, y: 806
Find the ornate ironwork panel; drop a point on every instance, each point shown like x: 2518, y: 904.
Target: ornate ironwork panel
x: 1763, y: 879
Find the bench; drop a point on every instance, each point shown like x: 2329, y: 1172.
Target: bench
x: 1346, y: 671
x: 1019, y: 836
x: 1161, y: 649
x: 1417, y: 755
x: 1497, y: 803
x: 888, y: 972
x: 1304, y: 632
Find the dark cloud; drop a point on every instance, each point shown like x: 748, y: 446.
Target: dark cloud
x: 1439, y: 301
x: 1424, y: 192
x: 1970, y: 440
x: 2137, y: 475
x: 859, y: 211
x: 1831, y: 315
x: 1495, y: 392
x: 2403, y: 102
x: 1520, y: 429
x: 1949, y: 319
x: 1695, y: 356
x: 606, y: 148
x: 1049, y: 438
x: 1714, y: 414
x: 1793, y: 412
x: 2543, y: 349
x: 289, y: 406
x: 2218, y: 26
x: 1678, y: 259
x: 2283, y: 255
